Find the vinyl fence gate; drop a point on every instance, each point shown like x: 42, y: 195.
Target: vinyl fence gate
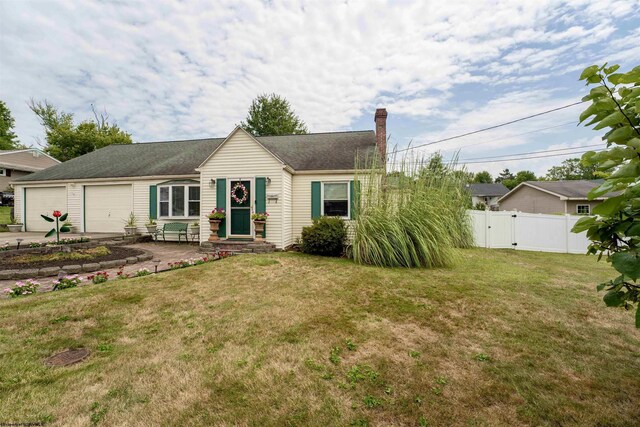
x: 527, y: 231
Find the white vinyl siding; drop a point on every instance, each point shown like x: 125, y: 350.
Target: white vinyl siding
x: 138, y: 196
x: 107, y: 207
x: 287, y: 210
x: 301, y: 197
x: 242, y: 157
x: 43, y: 201
x: 74, y: 205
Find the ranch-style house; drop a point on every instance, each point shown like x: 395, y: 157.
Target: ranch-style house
x: 294, y: 178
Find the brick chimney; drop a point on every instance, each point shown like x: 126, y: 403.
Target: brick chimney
x: 381, y: 131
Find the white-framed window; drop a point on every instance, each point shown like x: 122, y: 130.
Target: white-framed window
x: 583, y: 209
x: 3, y: 172
x: 335, y: 199
x: 178, y: 201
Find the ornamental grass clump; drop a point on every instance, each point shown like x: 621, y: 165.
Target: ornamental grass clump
x: 414, y: 216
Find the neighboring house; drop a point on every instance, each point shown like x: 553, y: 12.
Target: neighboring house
x: 17, y: 163
x: 294, y: 178
x: 488, y: 194
x: 552, y: 197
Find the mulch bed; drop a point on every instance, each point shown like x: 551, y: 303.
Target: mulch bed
x: 117, y: 252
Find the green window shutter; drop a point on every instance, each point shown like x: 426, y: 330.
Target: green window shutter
x: 354, y: 202
x: 315, y: 199
x: 221, y: 203
x: 153, y: 201
x: 261, y: 199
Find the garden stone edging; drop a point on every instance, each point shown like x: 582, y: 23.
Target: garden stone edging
x: 32, y: 273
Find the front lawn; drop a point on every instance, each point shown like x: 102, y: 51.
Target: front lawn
x: 504, y: 338
x: 5, y: 214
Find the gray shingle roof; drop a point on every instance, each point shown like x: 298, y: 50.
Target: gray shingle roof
x: 319, y: 151
x: 573, y: 189
x: 489, y: 190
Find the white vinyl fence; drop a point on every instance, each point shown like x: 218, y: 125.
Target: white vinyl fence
x: 527, y: 231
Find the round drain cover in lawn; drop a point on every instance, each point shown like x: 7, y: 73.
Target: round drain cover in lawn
x: 68, y: 357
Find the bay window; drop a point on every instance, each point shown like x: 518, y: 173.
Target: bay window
x: 176, y: 201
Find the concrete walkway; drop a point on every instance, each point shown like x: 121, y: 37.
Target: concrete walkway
x: 163, y: 252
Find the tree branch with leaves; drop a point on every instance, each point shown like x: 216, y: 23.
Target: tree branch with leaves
x: 614, y: 231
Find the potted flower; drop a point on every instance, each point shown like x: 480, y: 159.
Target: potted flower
x: 194, y: 228
x: 14, y: 226
x: 259, y: 220
x: 152, y: 226
x: 131, y: 225
x: 215, y: 218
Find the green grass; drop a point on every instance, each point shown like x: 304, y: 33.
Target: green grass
x: 501, y: 338
x: 5, y: 214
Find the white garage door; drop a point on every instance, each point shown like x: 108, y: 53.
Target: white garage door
x: 43, y: 201
x: 107, y: 208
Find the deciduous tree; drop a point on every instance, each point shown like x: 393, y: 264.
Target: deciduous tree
x: 8, y: 138
x: 65, y: 140
x: 519, y: 178
x: 614, y: 231
x: 572, y: 169
x: 272, y: 115
x: 483, y: 177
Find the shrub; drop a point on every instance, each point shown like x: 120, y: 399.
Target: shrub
x: 325, y: 237
x: 99, y: 277
x: 27, y: 287
x: 143, y: 272
x: 67, y: 282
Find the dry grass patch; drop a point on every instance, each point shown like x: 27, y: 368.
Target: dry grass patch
x: 503, y: 338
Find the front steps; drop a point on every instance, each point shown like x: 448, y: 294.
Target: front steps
x: 237, y: 247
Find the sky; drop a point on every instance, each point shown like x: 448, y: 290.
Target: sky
x: 167, y: 70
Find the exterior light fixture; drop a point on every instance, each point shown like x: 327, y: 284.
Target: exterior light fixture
x: 156, y: 262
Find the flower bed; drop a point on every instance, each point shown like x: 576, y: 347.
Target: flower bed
x: 118, y: 255
x: 29, y: 286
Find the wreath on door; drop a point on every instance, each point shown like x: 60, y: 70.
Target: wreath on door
x: 243, y: 196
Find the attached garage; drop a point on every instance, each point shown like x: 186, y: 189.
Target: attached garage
x: 43, y: 201
x: 107, y: 207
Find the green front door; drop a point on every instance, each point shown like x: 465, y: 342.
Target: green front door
x: 240, y: 207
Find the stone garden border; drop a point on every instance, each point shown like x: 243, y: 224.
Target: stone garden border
x: 32, y: 273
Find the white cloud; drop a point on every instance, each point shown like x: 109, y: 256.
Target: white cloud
x: 170, y: 69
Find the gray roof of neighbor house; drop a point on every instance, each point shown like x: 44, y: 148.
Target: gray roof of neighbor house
x: 315, y: 151
x: 570, y: 189
x: 489, y: 190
